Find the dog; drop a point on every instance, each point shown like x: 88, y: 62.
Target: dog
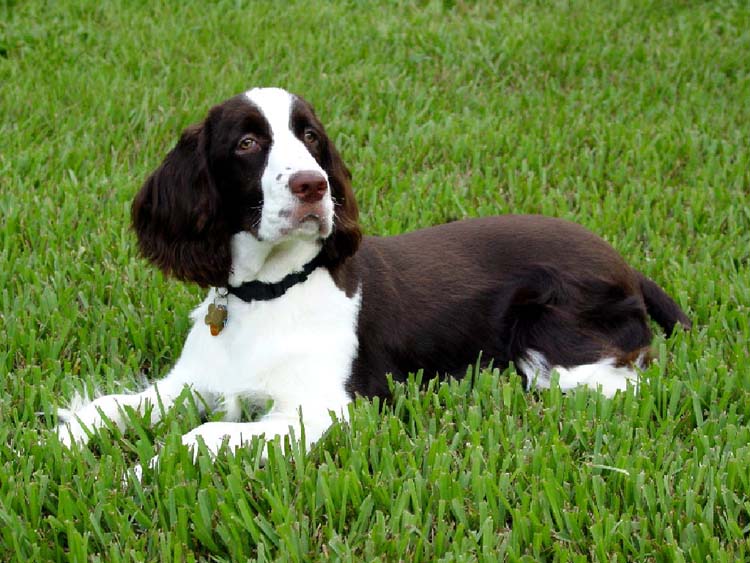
x: 256, y: 204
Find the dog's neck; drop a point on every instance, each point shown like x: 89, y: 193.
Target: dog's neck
x: 254, y: 259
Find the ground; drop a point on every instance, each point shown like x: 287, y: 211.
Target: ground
x: 629, y: 117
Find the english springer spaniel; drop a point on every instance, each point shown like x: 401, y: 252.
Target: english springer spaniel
x: 256, y: 203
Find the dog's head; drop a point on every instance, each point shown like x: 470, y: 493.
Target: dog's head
x: 259, y: 163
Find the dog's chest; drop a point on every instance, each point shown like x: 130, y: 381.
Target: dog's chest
x: 305, y: 338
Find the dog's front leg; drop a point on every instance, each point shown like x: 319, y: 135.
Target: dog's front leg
x: 195, y: 367
x: 78, y: 424
x: 316, y: 421
x: 239, y: 434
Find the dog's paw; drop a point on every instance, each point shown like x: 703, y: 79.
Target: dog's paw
x: 212, y: 434
x: 71, y: 420
x: 603, y: 376
x: 80, y: 421
x: 75, y: 427
x: 79, y: 427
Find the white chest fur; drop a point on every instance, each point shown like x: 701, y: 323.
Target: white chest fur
x: 297, y: 349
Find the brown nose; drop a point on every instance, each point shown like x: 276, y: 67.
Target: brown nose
x: 309, y: 186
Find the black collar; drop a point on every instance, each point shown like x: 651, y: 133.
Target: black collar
x: 261, y: 291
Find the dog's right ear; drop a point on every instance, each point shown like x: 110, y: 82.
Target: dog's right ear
x: 178, y: 215
x: 347, y: 234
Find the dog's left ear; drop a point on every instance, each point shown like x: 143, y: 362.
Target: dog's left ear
x: 346, y: 236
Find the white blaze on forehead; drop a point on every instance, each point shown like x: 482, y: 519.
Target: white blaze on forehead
x: 287, y: 151
x: 276, y: 105
x: 287, y: 156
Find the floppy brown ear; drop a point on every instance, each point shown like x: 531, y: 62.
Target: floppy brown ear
x: 346, y: 236
x: 178, y: 216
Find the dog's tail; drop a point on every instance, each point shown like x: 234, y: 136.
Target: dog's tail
x: 661, y: 307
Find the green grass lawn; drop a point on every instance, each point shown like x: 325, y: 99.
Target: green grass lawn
x: 632, y: 118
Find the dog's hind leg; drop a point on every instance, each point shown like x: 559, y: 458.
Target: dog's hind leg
x: 604, y: 375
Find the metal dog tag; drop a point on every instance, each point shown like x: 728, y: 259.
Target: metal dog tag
x: 216, y: 318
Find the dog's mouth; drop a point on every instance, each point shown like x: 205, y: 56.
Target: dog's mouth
x: 307, y: 223
x: 311, y: 217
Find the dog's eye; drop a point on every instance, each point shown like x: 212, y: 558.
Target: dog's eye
x: 310, y: 136
x: 248, y: 144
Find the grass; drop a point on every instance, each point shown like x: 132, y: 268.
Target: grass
x: 628, y: 117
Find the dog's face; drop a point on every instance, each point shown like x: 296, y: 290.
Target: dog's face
x: 268, y: 152
x: 260, y: 163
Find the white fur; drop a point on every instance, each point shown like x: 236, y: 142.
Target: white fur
x: 287, y: 156
x: 296, y: 350
x: 254, y: 259
x: 602, y: 375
